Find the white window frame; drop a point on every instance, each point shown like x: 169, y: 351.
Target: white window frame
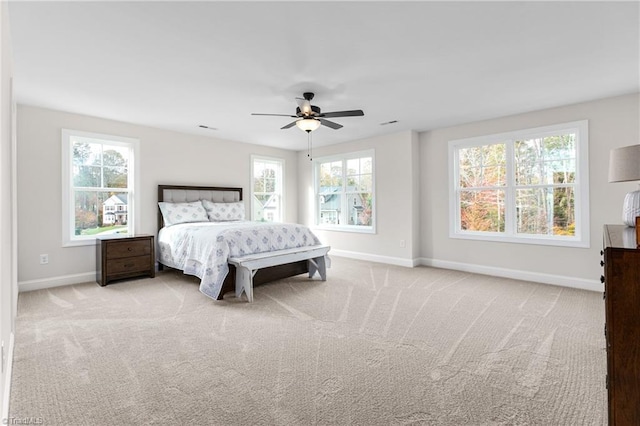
x: 280, y: 180
x: 69, y: 239
x: 344, y: 227
x: 582, y: 235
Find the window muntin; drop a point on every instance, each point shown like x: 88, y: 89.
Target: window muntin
x: 98, y: 186
x: 267, y: 181
x: 527, y: 186
x: 344, y: 189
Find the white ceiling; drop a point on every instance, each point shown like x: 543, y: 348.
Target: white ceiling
x: 176, y: 65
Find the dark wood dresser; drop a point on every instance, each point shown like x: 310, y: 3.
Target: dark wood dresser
x: 622, y: 328
x: 120, y: 257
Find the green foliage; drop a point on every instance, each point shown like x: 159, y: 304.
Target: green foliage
x: 482, y: 211
x: 85, y: 219
x: 81, y: 153
x: 331, y: 174
x: 365, y: 216
x: 114, y: 169
x: 266, y: 182
x: 570, y: 230
x: 483, y: 166
x: 100, y: 171
x: 542, y: 167
x: 101, y: 229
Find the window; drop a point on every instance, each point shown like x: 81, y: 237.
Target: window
x: 267, y: 197
x: 344, y: 188
x: 529, y: 186
x: 98, y: 173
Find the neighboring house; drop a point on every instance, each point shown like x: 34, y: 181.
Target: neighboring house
x: 329, y: 207
x: 270, y: 210
x: 114, y: 210
x: 330, y: 202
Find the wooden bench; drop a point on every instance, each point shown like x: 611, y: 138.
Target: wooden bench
x: 247, y: 266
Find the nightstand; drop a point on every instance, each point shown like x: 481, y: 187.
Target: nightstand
x: 119, y: 257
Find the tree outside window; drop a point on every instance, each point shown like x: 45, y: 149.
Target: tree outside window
x: 99, y: 184
x: 531, y: 184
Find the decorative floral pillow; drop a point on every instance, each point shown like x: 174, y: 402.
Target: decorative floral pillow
x: 174, y: 213
x: 220, y: 212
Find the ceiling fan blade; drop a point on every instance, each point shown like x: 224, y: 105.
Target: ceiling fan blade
x: 275, y: 115
x: 288, y: 126
x: 331, y: 124
x: 304, y: 105
x: 352, y: 113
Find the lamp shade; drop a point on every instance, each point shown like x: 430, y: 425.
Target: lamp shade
x: 308, y: 124
x: 624, y: 164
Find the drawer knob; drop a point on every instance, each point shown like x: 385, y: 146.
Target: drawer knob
x: 601, y: 252
x: 602, y: 263
x: 602, y: 278
x: 129, y: 248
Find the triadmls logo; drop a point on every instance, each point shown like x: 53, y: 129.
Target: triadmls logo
x: 23, y: 421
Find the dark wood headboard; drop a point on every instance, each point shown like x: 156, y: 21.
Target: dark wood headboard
x: 186, y: 194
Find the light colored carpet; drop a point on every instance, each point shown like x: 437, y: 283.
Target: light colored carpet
x: 373, y: 345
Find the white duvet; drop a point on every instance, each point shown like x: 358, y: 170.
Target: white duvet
x: 203, y: 248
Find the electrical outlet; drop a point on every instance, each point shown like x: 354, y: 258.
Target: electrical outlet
x: 44, y: 259
x: 402, y: 244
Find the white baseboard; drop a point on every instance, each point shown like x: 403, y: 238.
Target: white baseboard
x: 7, y: 380
x: 56, y: 281
x: 560, y: 280
x: 398, y: 261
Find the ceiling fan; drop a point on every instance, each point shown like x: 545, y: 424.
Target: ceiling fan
x: 309, y: 117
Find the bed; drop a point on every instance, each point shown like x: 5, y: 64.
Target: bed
x: 201, y: 232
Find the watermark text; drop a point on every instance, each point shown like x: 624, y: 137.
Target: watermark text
x: 23, y: 421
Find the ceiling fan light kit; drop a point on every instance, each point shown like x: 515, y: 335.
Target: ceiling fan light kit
x: 308, y: 124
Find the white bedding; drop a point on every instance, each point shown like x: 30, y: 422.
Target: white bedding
x: 202, y: 249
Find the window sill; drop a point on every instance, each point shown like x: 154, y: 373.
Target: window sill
x: 79, y: 243
x: 91, y: 241
x: 346, y: 228
x: 522, y: 239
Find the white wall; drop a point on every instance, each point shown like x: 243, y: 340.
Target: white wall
x: 165, y: 158
x: 396, y: 180
x: 8, y: 289
x: 613, y: 122
x: 411, y: 192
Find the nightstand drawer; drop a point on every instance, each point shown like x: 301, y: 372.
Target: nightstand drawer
x: 130, y: 264
x: 126, y: 249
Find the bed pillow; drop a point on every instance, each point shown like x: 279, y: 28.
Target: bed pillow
x: 174, y: 213
x: 220, y: 212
